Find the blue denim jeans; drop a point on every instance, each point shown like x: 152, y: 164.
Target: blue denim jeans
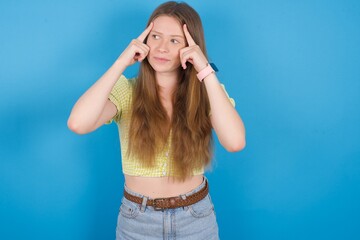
x: 141, y: 222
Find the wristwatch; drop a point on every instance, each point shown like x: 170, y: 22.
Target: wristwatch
x: 210, y: 68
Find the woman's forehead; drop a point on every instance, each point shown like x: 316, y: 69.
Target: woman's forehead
x: 168, y: 26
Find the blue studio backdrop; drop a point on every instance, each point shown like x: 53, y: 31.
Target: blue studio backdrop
x: 293, y: 68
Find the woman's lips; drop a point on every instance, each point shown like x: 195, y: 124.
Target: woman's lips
x: 161, y: 60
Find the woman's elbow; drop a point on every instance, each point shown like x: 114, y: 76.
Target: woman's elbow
x: 236, y: 146
x: 76, y: 127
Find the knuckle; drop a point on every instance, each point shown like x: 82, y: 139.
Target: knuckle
x: 133, y: 42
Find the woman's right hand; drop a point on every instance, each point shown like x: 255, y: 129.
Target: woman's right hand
x: 94, y: 108
x: 137, y: 49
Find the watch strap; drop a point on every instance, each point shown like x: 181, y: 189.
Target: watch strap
x: 206, y: 71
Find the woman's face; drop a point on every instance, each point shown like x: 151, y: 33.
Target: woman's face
x: 165, y: 41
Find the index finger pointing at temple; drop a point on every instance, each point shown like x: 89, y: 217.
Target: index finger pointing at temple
x: 189, y: 39
x: 144, y: 34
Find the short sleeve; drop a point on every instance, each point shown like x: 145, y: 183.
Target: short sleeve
x: 121, y: 95
x: 230, y: 99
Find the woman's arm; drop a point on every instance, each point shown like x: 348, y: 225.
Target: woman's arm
x: 94, y: 108
x: 225, y: 120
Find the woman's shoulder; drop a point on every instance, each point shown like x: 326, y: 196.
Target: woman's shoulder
x: 122, y: 90
x: 124, y: 85
x: 123, y: 80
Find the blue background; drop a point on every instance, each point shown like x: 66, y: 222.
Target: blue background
x: 293, y: 68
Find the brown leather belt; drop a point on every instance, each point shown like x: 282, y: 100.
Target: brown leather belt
x: 171, y: 202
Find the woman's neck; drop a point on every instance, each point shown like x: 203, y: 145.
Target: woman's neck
x: 167, y: 83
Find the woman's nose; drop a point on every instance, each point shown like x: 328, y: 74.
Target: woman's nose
x: 163, y: 47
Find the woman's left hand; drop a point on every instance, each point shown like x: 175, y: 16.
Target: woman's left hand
x: 192, y: 53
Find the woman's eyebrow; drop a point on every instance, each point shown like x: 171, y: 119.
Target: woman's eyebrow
x: 169, y: 35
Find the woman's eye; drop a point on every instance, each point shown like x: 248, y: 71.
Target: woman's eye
x: 175, y: 41
x: 155, y: 36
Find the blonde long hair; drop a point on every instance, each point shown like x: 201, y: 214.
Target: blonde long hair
x: 190, y: 124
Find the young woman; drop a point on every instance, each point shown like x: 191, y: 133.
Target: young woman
x: 165, y: 118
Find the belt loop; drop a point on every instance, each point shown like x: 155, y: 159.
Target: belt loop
x: 143, y: 204
x: 183, y: 197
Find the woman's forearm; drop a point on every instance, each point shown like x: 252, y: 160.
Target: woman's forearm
x: 88, y: 109
x: 226, y: 121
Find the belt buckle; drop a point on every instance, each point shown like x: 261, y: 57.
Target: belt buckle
x: 157, y: 202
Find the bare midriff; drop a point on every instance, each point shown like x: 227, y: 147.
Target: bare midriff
x: 162, y: 187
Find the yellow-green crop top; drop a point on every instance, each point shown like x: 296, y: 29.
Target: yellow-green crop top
x: 121, y: 96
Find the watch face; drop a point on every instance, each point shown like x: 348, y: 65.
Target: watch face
x: 214, y: 67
